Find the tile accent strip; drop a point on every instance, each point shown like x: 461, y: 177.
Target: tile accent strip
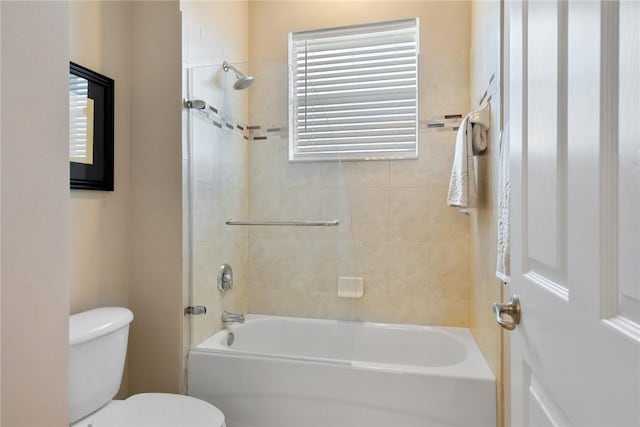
x: 255, y: 132
x: 247, y: 132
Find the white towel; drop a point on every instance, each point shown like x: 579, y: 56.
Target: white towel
x: 503, y: 265
x: 470, y: 140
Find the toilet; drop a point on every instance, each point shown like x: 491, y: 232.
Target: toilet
x: 98, y: 345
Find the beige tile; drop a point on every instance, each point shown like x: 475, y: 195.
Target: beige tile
x: 449, y: 311
x: 330, y: 306
x: 444, y: 84
x: 369, y: 174
x: 453, y: 65
x: 267, y: 258
x: 205, y: 213
x: 334, y: 259
x: 371, y: 264
x: 405, y: 269
x: 375, y: 286
x: 454, y: 283
x: 369, y: 214
x: 281, y: 302
x: 205, y: 260
x: 449, y: 256
x: 267, y: 164
x: 315, y: 175
x: 441, y: 159
x: 232, y: 152
x: 447, y: 223
x: 395, y: 309
x: 203, y: 156
x: 234, y: 206
x: 409, y: 214
x: 410, y: 173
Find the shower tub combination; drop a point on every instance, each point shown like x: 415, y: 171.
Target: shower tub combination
x: 291, y: 372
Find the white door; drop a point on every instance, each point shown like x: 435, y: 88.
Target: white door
x: 573, y: 91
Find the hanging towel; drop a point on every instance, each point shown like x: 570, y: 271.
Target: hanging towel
x: 503, y: 265
x: 470, y: 140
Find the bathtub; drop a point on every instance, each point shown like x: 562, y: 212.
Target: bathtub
x: 292, y: 372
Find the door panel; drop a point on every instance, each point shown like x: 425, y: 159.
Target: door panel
x: 545, y: 140
x: 629, y: 165
x: 542, y: 410
x: 573, y: 125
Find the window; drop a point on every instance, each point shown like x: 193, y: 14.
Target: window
x: 354, y: 92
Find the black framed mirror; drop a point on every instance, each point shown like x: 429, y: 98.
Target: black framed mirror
x: 91, y: 129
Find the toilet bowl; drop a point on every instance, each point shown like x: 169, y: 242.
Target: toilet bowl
x: 98, y: 345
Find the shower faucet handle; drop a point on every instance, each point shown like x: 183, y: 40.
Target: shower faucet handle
x: 225, y: 278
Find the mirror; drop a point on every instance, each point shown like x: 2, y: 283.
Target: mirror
x: 91, y: 132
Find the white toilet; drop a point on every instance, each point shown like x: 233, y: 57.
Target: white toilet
x: 98, y: 345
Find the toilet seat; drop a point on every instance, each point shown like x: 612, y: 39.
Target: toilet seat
x: 155, y: 410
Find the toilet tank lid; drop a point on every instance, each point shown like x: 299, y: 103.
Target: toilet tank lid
x: 91, y: 324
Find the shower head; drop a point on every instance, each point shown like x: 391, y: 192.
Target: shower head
x: 242, y: 81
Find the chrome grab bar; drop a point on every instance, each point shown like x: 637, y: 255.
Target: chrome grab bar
x: 512, y: 308
x: 323, y: 223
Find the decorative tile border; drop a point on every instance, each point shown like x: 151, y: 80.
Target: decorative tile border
x: 448, y: 122
x: 213, y: 116
x: 256, y: 132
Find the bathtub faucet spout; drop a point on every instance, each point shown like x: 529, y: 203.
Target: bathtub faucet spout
x: 232, y: 317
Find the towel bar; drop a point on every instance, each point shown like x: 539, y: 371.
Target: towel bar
x: 482, y: 117
x: 323, y: 223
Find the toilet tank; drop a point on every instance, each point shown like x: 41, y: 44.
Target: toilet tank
x: 97, y: 350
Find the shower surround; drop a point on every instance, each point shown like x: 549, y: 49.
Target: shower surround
x: 395, y: 230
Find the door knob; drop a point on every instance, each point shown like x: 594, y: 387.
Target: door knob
x: 512, y: 308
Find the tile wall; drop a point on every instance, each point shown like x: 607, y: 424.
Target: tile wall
x: 395, y: 229
x: 217, y: 187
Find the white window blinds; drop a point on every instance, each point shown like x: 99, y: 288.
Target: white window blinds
x: 80, y: 121
x: 354, y: 92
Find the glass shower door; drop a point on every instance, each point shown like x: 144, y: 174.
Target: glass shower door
x: 239, y: 172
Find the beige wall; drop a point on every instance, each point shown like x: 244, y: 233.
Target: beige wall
x: 215, y: 31
x: 487, y: 289
x: 100, y: 39
x: 396, y: 232
x: 0, y: 221
x: 212, y: 33
x: 34, y: 200
x: 126, y: 244
x: 156, y: 202
x: 445, y: 25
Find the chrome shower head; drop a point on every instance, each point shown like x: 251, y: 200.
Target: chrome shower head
x: 242, y: 81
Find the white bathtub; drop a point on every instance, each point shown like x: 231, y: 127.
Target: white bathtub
x: 292, y: 372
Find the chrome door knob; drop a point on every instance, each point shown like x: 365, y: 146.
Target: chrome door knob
x: 512, y: 309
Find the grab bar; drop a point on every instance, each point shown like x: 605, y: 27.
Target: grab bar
x: 289, y: 223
